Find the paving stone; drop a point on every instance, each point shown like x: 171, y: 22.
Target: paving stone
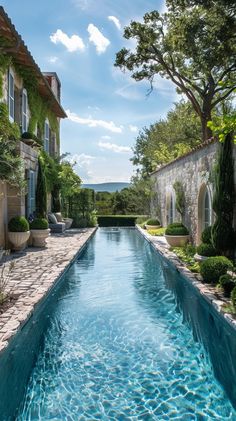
x: 34, y: 274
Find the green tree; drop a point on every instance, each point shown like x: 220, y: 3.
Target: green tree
x: 41, y: 191
x: 167, y: 139
x: 192, y: 45
x: 223, y: 200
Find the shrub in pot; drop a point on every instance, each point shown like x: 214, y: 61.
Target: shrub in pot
x: 18, y: 232
x: 214, y: 267
x: 176, y: 234
x: 152, y: 223
x: 227, y: 283
x: 39, y: 232
x: 206, y: 235
x: 205, y: 250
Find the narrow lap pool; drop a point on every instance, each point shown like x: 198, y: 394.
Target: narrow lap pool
x: 116, y: 347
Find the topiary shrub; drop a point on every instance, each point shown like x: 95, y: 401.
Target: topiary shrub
x: 214, y: 267
x: 153, y: 221
x: 227, y: 283
x: 206, y: 235
x: 39, y: 224
x: 205, y: 249
x: 18, y: 224
x: 176, y: 228
x: 233, y: 296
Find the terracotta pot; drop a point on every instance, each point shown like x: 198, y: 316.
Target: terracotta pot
x: 39, y: 237
x: 177, y: 240
x: 18, y: 239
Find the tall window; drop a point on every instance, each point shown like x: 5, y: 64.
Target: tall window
x: 207, y: 209
x: 31, y: 193
x: 11, y: 98
x: 46, y: 136
x: 24, y: 111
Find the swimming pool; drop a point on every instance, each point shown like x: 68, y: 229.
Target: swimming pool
x: 116, y: 347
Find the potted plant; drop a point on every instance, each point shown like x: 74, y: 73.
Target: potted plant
x: 176, y: 234
x: 18, y: 232
x: 30, y: 139
x: 39, y: 231
x: 205, y: 249
x: 152, y: 224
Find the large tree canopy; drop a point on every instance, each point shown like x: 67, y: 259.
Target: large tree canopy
x: 193, y: 45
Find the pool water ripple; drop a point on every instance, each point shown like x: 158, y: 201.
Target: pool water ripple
x: 117, y: 349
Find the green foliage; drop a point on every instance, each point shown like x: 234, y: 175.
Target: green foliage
x: 206, y: 235
x: 152, y: 221
x: 192, y: 46
x: 176, y: 228
x: 41, y: 191
x: 227, y: 283
x: 223, y: 236
x: 214, y: 267
x: 7, y: 129
x: 18, y: 224
x: 159, y: 232
x: 39, y: 224
x: 223, y: 126
x: 233, y: 297
x: 87, y: 221
x: 180, y: 197
x: 167, y: 139
x: 186, y: 254
x: 116, y: 220
x: 205, y: 249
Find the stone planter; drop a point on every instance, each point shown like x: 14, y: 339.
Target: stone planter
x: 39, y: 237
x: 177, y: 240
x: 199, y: 258
x: 18, y: 239
x: 152, y: 227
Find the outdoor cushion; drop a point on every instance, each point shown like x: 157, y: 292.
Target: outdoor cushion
x: 52, y: 218
x: 58, y: 215
x: 59, y: 227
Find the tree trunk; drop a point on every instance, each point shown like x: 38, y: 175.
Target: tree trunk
x: 206, y: 131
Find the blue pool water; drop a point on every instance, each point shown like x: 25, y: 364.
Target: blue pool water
x: 116, y: 347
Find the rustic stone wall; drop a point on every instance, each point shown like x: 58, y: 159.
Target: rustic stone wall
x: 194, y: 171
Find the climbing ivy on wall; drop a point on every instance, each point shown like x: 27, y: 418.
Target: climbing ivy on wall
x: 39, y: 107
x: 180, y: 197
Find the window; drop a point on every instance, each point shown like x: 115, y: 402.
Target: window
x: 46, y: 136
x: 206, y: 209
x: 11, y: 98
x: 24, y: 111
x: 31, y: 193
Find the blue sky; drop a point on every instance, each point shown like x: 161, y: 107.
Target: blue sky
x: 79, y: 39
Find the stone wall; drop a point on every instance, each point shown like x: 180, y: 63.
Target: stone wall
x: 194, y: 171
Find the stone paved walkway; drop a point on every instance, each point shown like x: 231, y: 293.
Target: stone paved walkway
x: 34, y: 273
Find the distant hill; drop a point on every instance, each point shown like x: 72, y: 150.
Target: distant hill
x: 110, y: 187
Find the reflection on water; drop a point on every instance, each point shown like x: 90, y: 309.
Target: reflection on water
x: 117, y: 349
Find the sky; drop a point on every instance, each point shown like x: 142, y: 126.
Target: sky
x: 106, y: 108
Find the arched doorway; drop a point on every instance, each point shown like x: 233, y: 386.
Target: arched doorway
x: 170, y: 207
x: 205, y: 213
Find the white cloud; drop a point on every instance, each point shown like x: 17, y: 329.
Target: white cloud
x: 72, y: 43
x: 97, y: 38
x: 133, y: 129
x: 115, y: 21
x: 106, y: 137
x: 53, y: 59
x: 90, y: 122
x: 113, y: 147
x: 81, y: 159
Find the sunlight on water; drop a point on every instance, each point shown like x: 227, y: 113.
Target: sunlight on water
x: 117, y: 349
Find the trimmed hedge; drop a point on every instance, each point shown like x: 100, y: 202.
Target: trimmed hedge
x: 205, y: 249
x: 214, y: 267
x: 233, y: 297
x: 18, y: 224
x: 227, y: 283
x: 39, y: 224
x: 177, y: 228
x: 153, y: 221
x: 206, y: 235
x: 116, y: 220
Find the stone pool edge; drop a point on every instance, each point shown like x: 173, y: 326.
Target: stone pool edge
x: 206, y: 290
x: 27, y: 305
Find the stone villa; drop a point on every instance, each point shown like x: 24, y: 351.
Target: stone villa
x: 16, y: 96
